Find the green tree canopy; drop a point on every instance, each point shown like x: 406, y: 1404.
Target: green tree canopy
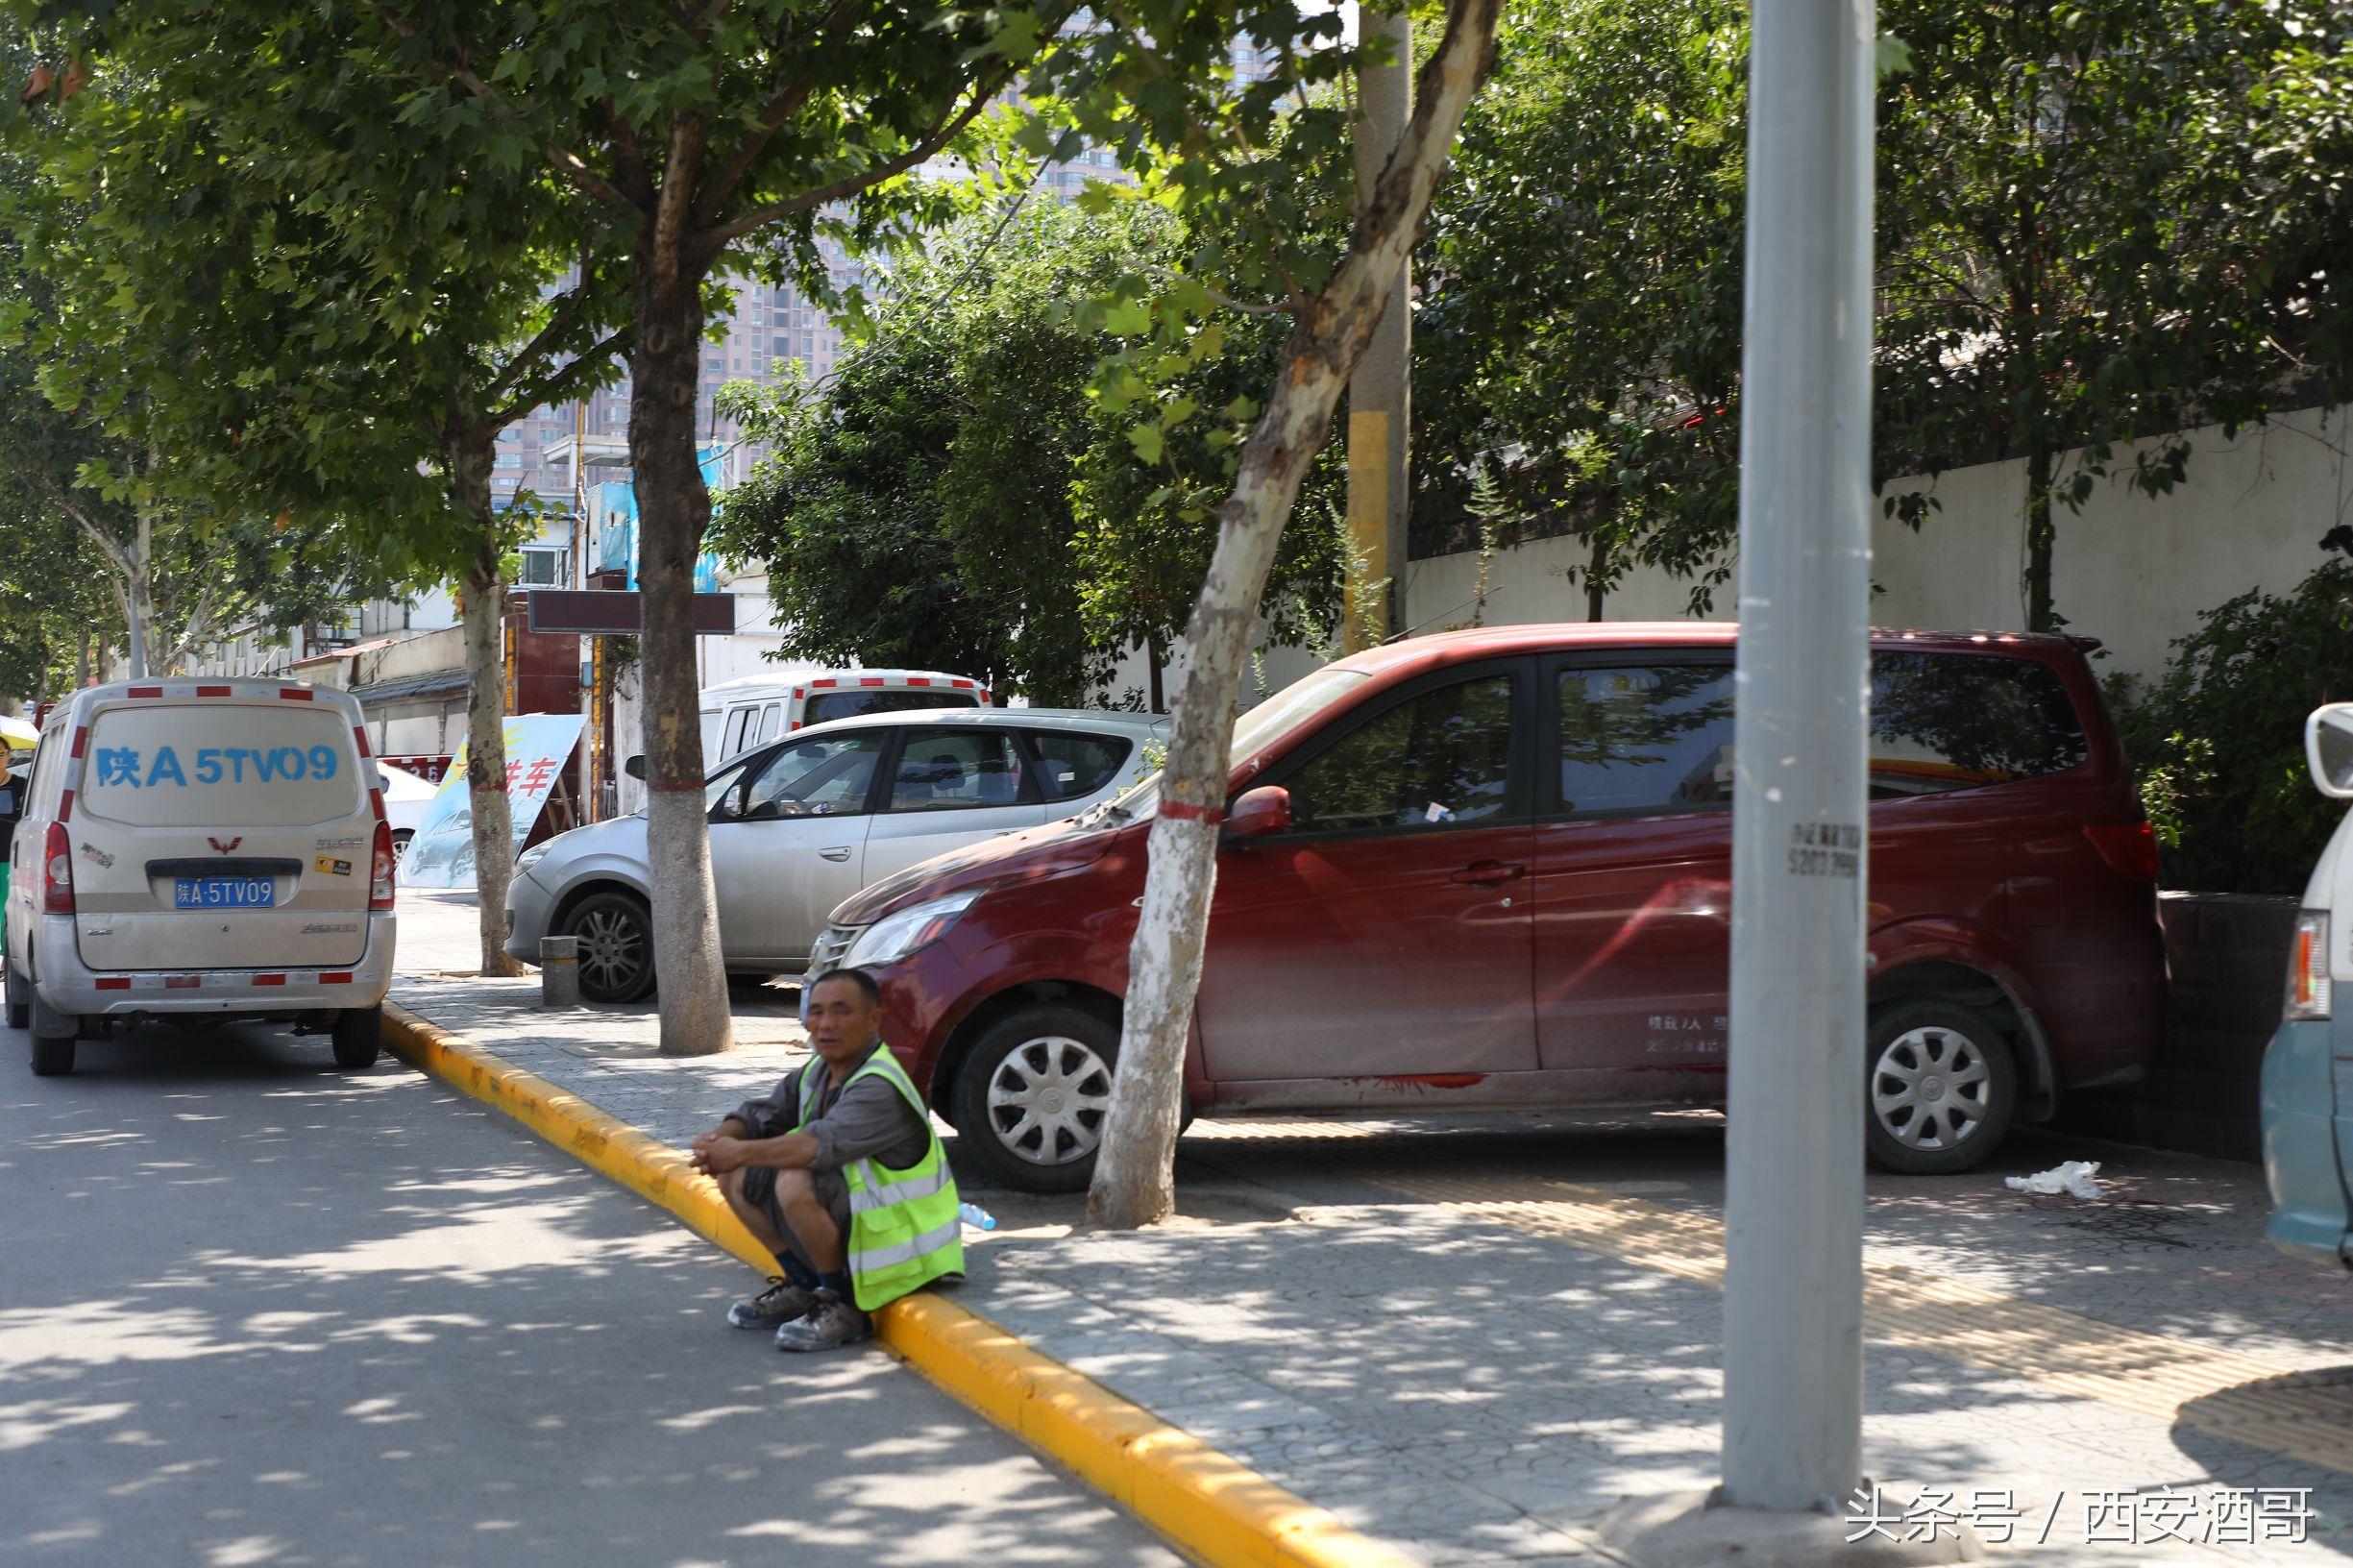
x: 953, y: 499
x: 2102, y: 222
x: 1579, y: 330
x: 2097, y: 222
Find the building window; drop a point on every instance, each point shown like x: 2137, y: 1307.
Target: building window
x: 543, y: 567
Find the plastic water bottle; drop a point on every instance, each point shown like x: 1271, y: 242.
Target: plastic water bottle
x: 977, y: 1217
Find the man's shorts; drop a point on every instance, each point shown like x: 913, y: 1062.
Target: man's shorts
x: 832, y: 1190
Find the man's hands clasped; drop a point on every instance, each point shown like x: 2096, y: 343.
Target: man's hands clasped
x: 721, y: 1150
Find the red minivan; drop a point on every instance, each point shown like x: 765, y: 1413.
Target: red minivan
x: 1491, y: 870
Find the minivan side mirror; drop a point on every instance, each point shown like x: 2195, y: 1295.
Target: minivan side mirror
x: 635, y: 766
x: 1258, y: 812
x: 2328, y: 750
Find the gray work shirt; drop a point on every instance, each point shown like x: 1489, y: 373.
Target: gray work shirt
x: 869, y: 1120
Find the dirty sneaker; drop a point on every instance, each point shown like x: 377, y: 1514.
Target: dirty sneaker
x: 829, y: 1324
x: 781, y: 1302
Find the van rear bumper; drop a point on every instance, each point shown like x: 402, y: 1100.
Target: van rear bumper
x: 66, y: 985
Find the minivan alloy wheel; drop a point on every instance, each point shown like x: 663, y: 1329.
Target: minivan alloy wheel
x: 1930, y: 1088
x: 1047, y: 1099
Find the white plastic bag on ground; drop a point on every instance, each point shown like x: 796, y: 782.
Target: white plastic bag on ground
x: 2077, y: 1179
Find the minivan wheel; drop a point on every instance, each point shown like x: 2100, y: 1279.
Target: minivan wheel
x: 1032, y: 1095
x: 1940, y: 1088
x: 358, y: 1037
x: 400, y: 840
x: 616, y: 947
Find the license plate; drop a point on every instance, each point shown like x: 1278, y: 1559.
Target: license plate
x: 224, y: 891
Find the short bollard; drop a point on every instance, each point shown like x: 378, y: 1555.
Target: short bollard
x: 559, y: 971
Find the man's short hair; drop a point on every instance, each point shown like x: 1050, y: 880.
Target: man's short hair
x: 864, y: 981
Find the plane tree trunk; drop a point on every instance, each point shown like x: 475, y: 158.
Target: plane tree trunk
x: 1134, y: 1180
x: 674, y: 510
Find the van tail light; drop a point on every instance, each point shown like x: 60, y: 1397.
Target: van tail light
x: 379, y: 870
x: 58, y: 872
x: 2308, y: 984
x: 2130, y: 849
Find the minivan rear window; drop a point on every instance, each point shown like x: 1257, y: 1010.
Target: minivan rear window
x: 1955, y: 722
x: 220, y: 763
x: 1654, y: 738
x: 824, y: 705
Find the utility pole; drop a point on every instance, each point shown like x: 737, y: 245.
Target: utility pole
x: 1793, y: 1305
x: 1379, y: 394
x: 1793, y: 1286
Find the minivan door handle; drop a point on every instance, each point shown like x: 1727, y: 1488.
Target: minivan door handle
x: 839, y: 853
x: 1489, y: 874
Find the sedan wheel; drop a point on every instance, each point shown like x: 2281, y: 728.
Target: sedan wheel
x: 1032, y: 1095
x: 1941, y: 1090
x: 1047, y: 1099
x: 615, y: 947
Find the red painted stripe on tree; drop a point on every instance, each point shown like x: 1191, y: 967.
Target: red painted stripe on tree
x: 1179, y: 811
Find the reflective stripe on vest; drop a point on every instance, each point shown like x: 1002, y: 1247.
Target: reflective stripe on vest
x: 902, y: 1252
x: 905, y: 1228
x: 874, y: 1192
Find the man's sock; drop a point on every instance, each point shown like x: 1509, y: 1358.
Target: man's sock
x: 796, y: 1271
x: 839, y: 1284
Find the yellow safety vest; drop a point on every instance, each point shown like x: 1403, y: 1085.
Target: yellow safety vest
x: 905, y: 1226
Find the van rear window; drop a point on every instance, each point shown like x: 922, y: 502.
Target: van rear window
x: 824, y: 705
x: 1954, y: 722
x: 228, y: 764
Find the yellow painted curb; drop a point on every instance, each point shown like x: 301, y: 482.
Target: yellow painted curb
x: 1209, y: 1505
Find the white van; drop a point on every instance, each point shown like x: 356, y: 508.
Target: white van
x: 2307, y: 1085
x: 201, y: 850
x: 738, y: 715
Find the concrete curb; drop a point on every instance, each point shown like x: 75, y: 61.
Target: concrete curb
x: 1209, y: 1506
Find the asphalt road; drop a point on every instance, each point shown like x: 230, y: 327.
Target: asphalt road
x: 254, y: 1311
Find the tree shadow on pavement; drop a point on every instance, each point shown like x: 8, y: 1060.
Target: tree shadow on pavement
x: 1464, y: 1386
x: 261, y: 1311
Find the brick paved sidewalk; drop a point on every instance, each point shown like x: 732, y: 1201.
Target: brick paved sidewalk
x: 1473, y: 1341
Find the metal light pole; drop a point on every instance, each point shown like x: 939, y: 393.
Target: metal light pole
x: 1793, y: 1351
x: 1379, y: 394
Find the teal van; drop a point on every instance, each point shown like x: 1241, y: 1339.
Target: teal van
x: 2308, y: 1068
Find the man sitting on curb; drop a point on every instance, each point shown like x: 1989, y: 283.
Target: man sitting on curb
x: 838, y: 1173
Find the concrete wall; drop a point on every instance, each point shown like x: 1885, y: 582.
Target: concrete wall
x: 2131, y: 569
